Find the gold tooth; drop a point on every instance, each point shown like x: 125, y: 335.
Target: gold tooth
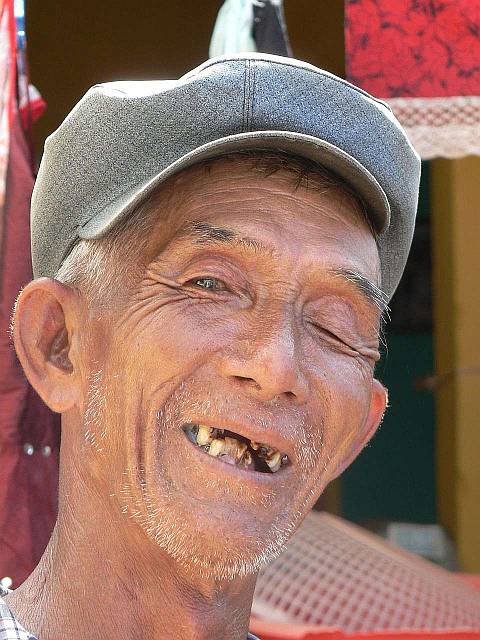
x: 216, y: 447
x: 204, y: 435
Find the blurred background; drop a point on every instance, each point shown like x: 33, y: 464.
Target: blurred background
x: 418, y: 482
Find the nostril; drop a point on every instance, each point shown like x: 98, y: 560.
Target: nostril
x: 249, y: 381
x: 253, y: 384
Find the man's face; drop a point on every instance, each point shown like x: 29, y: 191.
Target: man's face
x: 246, y: 319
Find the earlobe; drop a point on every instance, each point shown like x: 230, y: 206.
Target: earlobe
x: 378, y: 405
x: 43, y: 329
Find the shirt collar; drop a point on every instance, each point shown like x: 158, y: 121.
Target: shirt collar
x: 10, y: 629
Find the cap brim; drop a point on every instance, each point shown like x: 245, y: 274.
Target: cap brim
x: 321, y: 151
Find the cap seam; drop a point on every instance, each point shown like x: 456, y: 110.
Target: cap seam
x: 254, y: 84
x: 341, y: 81
x: 250, y: 93
x: 245, y: 70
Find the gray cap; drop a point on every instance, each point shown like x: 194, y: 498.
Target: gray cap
x: 123, y: 138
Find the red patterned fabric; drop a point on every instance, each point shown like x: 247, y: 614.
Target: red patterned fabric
x: 409, y: 48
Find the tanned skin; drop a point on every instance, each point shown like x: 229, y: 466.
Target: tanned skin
x: 258, y: 330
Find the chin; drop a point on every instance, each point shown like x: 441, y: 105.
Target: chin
x: 220, y: 552
x: 207, y: 539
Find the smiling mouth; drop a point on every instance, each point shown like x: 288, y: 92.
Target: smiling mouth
x: 235, y: 449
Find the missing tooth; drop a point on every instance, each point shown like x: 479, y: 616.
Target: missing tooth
x: 233, y: 448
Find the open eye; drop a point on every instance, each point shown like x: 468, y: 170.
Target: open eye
x: 212, y: 284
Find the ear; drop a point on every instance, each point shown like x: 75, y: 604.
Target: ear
x: 378, y: 404
x: 46, y: 320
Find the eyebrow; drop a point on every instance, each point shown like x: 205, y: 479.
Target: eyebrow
x: 205, y: 233
x: 366, y: 287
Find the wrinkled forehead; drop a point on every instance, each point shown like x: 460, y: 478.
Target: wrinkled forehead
x: 276, y: 208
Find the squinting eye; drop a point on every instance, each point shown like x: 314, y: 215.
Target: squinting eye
x: 208, y: 283
x: 328, y: 334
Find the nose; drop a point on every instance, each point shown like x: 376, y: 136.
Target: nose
x: 268, y: 364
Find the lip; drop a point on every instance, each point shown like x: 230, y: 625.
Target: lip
x: 273, y: 439
x: 246, y: 477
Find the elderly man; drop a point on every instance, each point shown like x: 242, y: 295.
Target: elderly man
x: 212, y: 259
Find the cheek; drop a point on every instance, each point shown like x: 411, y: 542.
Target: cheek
x: 170, y: 345
x: 345, y: 388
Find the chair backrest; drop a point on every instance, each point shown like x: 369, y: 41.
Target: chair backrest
x: 337, y: 575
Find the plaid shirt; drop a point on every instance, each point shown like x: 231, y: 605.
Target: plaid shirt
x: 9, y: 627
x: 11, y: 630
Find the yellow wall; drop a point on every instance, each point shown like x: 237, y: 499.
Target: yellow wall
x: 456, y: 272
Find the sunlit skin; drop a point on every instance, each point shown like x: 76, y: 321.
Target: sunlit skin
x: 258, y: 332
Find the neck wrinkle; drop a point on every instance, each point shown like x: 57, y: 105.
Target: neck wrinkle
x: 101, y: 572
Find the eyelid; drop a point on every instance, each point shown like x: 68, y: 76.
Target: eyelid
x: 207, y: 277
x: 231, y: 276
x: 365, y: 352
x: 332, y: 305
x: 333, y: 336
x: 321, y: 328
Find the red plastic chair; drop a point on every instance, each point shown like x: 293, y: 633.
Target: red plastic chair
x: 336, y: 580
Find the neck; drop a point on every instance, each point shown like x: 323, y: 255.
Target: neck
x: 93, y: 579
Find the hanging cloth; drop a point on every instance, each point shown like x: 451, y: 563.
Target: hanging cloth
x: 250, y: 25
x: 7, y: 92
x: 29, y: 432
x: 233, y: 30
x: 269, y: 29
x: 424, y: 60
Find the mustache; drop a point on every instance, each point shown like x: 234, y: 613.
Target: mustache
x: 195, y: 398
x: 192, y: 400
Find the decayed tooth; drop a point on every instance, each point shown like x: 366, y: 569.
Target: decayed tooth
x: 265, y: 452
x: 241, y: 449
x: 205, y: 435
x: 234, y: 448
x: 247, y: 459
x: 274, y: 461
x: 216, y: 447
